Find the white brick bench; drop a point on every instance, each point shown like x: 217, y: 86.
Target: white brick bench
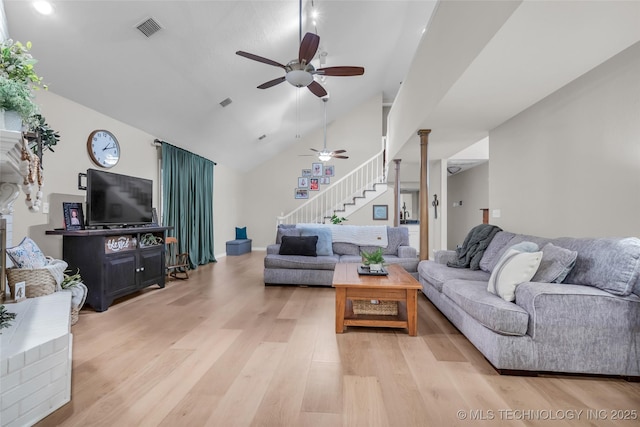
x: 35, y: 359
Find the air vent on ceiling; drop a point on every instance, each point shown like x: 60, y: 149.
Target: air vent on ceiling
x: 226, y: 102
x: 149, y: 27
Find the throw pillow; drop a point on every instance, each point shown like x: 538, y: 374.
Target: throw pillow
x: 323, y: 247
x: 27, y: 255
x: 514, y: 268
x: 556, y: 263
x: 299, y: 245
x: 241, y: 233
x: 519, y: 247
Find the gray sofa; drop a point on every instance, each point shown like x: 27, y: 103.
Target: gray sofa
x: 589, y: 323
x: 318, y: 270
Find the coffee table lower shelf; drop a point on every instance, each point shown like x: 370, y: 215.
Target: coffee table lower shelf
x: 376, y: 320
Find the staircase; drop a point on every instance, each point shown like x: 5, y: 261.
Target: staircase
x: 344, y: 196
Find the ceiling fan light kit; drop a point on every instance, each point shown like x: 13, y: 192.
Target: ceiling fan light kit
x: 299, y: 72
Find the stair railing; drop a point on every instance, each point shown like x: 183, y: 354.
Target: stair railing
x: 323, y: 205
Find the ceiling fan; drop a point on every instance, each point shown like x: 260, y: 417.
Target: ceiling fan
x: 299, y: 72
x: 324, y: 154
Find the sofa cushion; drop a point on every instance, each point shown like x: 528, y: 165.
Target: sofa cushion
x: 296, y: 262
x: 489, y: 310
x: 556, y: 263
x: 299, y: 245
x: 286, y: 230
x: 396, y: 236
x: 323, y: 247
x: 514, y: 268
x: 438, y: 274
x: 509, y: 251
x: 612, y: 265
x: 341, y: 248
x: 492, y: 254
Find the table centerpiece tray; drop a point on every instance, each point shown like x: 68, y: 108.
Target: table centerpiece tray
x: 365, y: 271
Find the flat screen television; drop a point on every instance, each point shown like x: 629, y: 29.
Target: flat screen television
x: 118, y: 200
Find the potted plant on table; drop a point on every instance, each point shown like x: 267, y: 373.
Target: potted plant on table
x: 373, y: 260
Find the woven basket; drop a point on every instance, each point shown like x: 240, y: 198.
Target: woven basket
x: 38, y: 282
x: 75, y: 314
x: 389, y: 308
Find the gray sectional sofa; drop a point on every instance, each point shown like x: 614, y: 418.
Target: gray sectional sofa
x: 588, y: 324
x: 318, y: 270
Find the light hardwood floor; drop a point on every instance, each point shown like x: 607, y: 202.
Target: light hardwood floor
x: 221, y: 349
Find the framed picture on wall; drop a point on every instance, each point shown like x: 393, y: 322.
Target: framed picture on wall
x: 302, y: 193
x: 316, y: 169
x: 329, y: 170
x: 73, y: 217
x: 314, y: 184
x: 303, y: 182
x: 306, y: 172
x: 325, y: 180
x: 380, y: 212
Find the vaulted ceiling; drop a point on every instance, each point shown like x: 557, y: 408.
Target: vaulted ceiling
x: 171, y: 83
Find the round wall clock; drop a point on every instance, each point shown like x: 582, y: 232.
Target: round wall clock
x: 103, y: 148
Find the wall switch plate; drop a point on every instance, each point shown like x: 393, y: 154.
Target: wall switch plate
x: 496, y: 213
x: 45, y: 208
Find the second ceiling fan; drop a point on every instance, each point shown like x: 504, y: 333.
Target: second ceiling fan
x: 300, y: 72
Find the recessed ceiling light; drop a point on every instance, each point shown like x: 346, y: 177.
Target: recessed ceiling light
x: 43, y: 7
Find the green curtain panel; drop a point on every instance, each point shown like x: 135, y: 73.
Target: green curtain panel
x: 187, y: 194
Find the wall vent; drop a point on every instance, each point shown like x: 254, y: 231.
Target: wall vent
x: 226, y: 102
x: 149, y: 27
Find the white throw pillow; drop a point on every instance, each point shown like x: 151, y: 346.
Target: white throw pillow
x: 515, y: 267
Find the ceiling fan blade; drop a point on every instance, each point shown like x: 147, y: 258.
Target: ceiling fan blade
x: 271, y: 83
x: 340, y: 71
x: 308, y: 47
x: 313, y: 149
x: 317, y: 89
x: 338, y: 151
x: 340, y: 157
x: 260, y: 59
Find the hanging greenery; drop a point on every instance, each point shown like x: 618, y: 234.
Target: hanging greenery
x: 5, y: 317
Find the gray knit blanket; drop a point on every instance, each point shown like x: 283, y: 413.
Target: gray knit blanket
x: 470, y: 253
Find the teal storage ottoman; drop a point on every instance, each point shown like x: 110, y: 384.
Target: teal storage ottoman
x: 238, y: 246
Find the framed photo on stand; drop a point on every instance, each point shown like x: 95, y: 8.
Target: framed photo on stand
x: 73, y: 216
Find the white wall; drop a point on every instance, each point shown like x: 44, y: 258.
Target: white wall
x: 570, y: 164
x: 472, y: 188
x: 139, y: 158
x: 268, y: 189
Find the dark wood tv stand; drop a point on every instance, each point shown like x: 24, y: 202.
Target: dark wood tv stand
x: 115, y: 262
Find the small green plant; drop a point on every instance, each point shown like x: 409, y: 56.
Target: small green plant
x: 374, y: 257
x: 16, y: 96
x: 71, y: 280
x: 48, y: 136
x: 335, y: 219
x: 6, y: 317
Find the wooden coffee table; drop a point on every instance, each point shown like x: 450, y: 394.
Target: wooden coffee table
x: 397, y: 286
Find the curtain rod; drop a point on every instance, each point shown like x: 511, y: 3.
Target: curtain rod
x: 158, y: 143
